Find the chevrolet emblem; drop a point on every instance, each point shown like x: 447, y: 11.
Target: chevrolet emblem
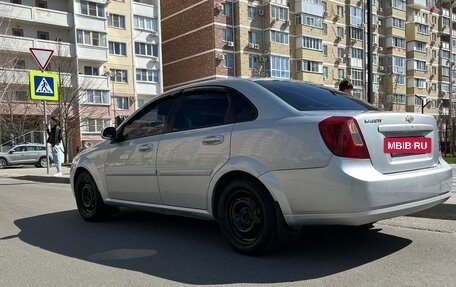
x: 409, y: 119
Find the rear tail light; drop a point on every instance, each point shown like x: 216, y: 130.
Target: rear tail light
x: 343, y: 137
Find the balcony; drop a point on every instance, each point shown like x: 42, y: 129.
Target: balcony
x: 22, y: 44
x: 303, y: 6
x: 90, y: 23
x: 94, y: 82
x: 36, y: 15
x: 145, y: 9
x: 16, y: 76
x: 92, y: 53
x: 418, y: 4
x: 146, y: 88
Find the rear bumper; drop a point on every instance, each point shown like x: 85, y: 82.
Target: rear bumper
x: 352, y: 192
x: 364, y: 217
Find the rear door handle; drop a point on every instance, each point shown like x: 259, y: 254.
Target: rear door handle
x: 146, y: 147
x: 213, y: 140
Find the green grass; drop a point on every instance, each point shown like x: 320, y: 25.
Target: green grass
x: 450, y: 159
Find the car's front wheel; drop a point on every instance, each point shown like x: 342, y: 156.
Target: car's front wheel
x: 88, y: 199
x: 247, y: 217
x: 2, y: 162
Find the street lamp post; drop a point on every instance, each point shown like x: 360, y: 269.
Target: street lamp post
x: 423, y: 105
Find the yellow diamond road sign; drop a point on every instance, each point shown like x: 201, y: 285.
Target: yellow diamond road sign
x: 44, y: 86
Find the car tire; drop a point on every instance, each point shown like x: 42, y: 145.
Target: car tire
x: 88, y: 199
x: 3, y: 163
x: 42, y: 162
x: 247, y: 218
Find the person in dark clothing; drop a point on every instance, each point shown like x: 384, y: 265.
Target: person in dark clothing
x: 55, y: 140
x: 345, y: 86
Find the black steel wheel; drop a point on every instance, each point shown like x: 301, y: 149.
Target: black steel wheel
x: 3, y: 163
x: 247, y: 217
x: 88, y: 199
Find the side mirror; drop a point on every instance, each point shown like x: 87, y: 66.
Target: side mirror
x: 109, y: 133
x: 11, y: 151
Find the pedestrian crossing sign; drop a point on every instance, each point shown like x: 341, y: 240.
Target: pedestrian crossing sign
x: 44, y: 86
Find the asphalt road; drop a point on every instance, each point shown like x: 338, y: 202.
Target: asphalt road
x: 43, y: 242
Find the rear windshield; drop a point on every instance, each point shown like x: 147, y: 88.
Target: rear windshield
x: 305, y: 97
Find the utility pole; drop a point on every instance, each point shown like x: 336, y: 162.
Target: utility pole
x: 370, y: 90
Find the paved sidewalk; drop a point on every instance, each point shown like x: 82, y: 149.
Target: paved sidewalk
x: 36, y: 174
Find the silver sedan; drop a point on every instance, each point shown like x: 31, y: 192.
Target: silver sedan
x: 263, y: 157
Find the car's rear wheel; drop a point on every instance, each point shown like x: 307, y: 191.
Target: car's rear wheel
x: 42, y: 162
x: 2, y: 162
x: 247, y: 217
x: 88, y: 199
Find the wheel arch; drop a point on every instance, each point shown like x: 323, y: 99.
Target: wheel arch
x: 6, y: 160
x: 228, y: 177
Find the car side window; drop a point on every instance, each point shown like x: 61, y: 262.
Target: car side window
x: 243, y: 108
x: 151, y: 121
x: 202, y: 109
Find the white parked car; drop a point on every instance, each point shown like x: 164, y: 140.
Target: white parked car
x: 264, y: 156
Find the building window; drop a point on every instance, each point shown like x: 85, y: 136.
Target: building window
x: 146, y: 23
x: 357, y: 77
x: 340, y: 52
x: 325, y: 50
x: 118, y: 76
x: 42, y: 35
x: 252, y: 37
x: 325, y: 72
x: 279, y: 13
x: 146, y: 49
x: 117, y: 21
x: 341, y: 73
x: 17, y: 32
x: 340, y: 11
x: 96, y: 97
x: 251, y: 12
x: 399, y: 42
x: 399, y: 23
x: 398, y: 4
x: 310, y: 66
x: 145, y: 75
x: 228, y: 35
x: 89, y: 70
x: 116, y: 48
x: 324, y: 29
x: 340, y: 32
x: 312, y: 43
x: 356, y: 16
x: 422, y: 29
x: 253, y: 62
x: 91, y: 38
x: 419, y: 83
x: 279, y: 37
x: 309, y: 20
x: 420, y: 65
x: 225, y: 9
x: 356, y: 33
x: 41, y: 4
x: 280, y: 67
x: 229, y: 60
x: 92, y: 9
x: 16, y: 1
x: 399, y: 99
x: 419, y: 46
x: 121, y: 103
x: 94, y: 125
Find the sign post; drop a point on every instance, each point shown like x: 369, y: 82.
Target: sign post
x: 43, y: 85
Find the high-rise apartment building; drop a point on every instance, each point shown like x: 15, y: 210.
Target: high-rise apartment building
x: 107, y: 54
x: 321, y: 42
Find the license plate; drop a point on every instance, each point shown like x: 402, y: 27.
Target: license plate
x: 407, y: 145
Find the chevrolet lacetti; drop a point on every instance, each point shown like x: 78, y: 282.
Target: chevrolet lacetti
x: 264, y: 157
